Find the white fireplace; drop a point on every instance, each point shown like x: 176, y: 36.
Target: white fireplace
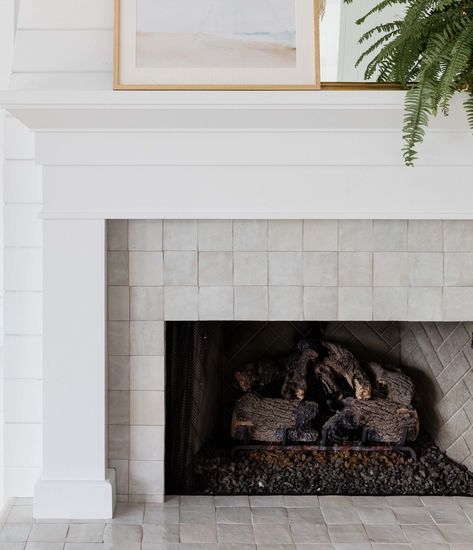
x: 283, y: 178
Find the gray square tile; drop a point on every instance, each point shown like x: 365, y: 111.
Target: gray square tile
x: 117, y: 268
x: 190, y: 532
x: 215, y: 268
x: 215, y: 234
x: 235, y: 533
x: 48, y: 532
x: 181, y: 303
x: 118, y: 303
x: 390, y: 235
x: 311, y: 515
x: 232, y: 501
x: 147, y: 408
x: 355, y: 269
x: 180, y: 235
x: 250, y: 268
x: 320, y: 303
x: 320, y: 269
x: 145, y: 235
x: 198, y: 516
x: 285, y: 235
x: 266, y: 501
x: 15, y: 532
x: 272, y: 534
x: 458, y: 268
x: 425, y: 269
x: 146, y: 268
x: 215, y: 303
x: 339, y: 515
x: 449, y: 516
x: 20, y: 514
x: 128, y: 513
x: 270, y: 515
x: 390, y: 269
x: 118, y: 372
x: 389, y: 303
x: 412, y: 515
x: 355, y: 303
x: 348, y: 533
x: 157, y: 534
x: 458, y: 235
x: 147, y: 373
x: 425, y: 304
x: 285, y: 268
x: 301, y: 501
x: 119, y: 442
x: 250, y: 235
x: 47, y: 546
x: 122, y: 534
x: 197, y: 501
x: 425, y: 235
x: 161, y: 515
x: 146, y: 303
x: 147, y: 442
x: 118, y: 404
x: 286, y: 303
x: 423, y: 533
x: 117, y: 234
x: 146, y: 338
x: 118, y: 338
x: 146, y: 477
x: 356, y: 235
x: 375, y: 516
x: 251, y: 303
x: 180, y: 268
x: 234, y: 514
x: 458, y: 303
x: 85, y: 532
x: 320, y: 235
x: 385, y: 533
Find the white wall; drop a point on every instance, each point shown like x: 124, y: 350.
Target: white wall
x: 21, y: 279
x: 6, y: 55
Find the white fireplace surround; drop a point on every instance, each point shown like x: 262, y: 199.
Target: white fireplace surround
x: 104, y: 155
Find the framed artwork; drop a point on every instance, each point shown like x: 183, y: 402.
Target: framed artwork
x: 216, y: 45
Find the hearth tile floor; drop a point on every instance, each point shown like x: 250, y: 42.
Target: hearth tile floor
x: 255, y: 523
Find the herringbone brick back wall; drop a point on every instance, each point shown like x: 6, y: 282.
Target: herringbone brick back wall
x: 440, y: 358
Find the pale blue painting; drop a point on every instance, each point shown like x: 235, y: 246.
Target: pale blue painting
x: 216, y: 33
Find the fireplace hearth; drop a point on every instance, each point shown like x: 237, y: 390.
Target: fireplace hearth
x: 247, y: 417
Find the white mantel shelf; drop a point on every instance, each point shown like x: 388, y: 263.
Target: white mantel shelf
x: 148, y: 110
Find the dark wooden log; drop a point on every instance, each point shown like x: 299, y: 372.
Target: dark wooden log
x: 266, y: 419
x: 254, y: 376
x: 338, y: 367
x: 295, y: 385
x: 390, y: 383
x: 385, y: 420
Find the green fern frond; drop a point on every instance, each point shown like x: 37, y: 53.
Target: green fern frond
x: 468, y: 105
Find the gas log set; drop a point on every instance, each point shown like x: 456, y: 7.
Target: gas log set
x: 323, y: 394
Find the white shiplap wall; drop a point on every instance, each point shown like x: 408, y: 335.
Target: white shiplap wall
x: 22, y: 283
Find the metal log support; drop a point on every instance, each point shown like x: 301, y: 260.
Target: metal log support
x: 362, y: 446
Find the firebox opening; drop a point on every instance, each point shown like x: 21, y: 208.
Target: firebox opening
x: 304, y: 408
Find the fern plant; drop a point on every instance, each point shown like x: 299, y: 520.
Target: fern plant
x: 429, y: 51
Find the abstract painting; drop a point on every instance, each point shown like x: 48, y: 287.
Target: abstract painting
x: 208, y: 44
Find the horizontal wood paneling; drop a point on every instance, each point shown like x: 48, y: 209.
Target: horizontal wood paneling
x: 63, y: 50
x: 256, y: 191
x: 339, y: 148
x: 66, y: 14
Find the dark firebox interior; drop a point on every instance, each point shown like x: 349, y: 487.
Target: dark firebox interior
x: 201, y: 392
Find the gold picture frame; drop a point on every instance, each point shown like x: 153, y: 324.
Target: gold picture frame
x: 121, y: 82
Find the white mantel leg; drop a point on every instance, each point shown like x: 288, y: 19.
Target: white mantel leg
x: 74, y: 483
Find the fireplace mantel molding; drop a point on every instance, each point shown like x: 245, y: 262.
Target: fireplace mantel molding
x: 149, y: 155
